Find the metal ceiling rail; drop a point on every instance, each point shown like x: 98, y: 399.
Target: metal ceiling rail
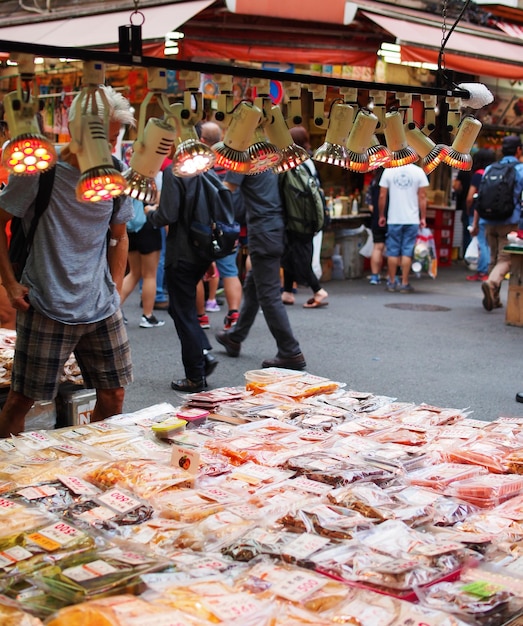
x: 116, y: 58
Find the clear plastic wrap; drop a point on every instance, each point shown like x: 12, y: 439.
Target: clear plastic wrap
x: 487, y: 490
x: 440, y: 475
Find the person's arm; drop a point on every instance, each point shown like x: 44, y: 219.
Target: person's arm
x: 117, y: 253
x: 16, y: 292
x: 422, y: 203
x: 382, y: 203
x: 474, y: 228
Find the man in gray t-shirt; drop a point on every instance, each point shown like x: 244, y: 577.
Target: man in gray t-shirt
x: 67, y: 299
x: 265, y: 229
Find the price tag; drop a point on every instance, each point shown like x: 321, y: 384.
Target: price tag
x: 13, y: 555
x: 7, y: 506
x: 217, y: 494
x: 77, y: 485
x: 33, y: 493
x: 233, y: 607
x: 41, y: 439
x: 169, y: 618
x: 55, y: 536
x: 98, y: 513
x: 88, y: 571
x: 65, y: 447
x: 298, y: 585
x: 126, y: 556
x: 119, y: 501
x: 6, y: 445
x: 305, y: 545
x: 310, y: 486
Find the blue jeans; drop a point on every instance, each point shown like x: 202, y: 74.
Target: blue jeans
x: 484, y: 250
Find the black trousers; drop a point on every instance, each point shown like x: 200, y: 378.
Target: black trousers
x: 181, y: 285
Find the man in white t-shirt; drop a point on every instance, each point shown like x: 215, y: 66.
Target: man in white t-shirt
x: 406, y: 187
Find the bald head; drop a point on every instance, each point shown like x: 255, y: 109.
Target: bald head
x: 211, y: 133
x: 300, y: 136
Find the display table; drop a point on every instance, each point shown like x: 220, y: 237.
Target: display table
x: 514, y: 314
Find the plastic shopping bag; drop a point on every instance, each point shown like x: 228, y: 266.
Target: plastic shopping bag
x: 366, y: 248
x: 472, y: 252
x: 425, y: 257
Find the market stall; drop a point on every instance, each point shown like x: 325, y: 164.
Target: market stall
x: 287, y: 500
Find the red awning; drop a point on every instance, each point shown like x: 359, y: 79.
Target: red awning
x: 478, y: 53
x: 330, y: 11
x: 275, y: 53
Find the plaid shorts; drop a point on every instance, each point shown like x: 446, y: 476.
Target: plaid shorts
x: 43, y: 346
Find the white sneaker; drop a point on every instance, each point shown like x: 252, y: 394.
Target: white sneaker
x: 150, y: 322
x: 211, y: 306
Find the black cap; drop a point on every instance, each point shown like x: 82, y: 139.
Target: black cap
x: 510, y: 144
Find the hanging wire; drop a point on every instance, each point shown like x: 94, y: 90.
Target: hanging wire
x: 445, y: 37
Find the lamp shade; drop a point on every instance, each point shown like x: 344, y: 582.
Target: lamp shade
x: 402, y: 153
x: 99, y: 180
x: 279, y: 134
x: 333, y: 150
x: 28, y: 151
x: 431, y: 154
x: 149, y: 152
x: 359, y: 141
x: 232, y: 152
x: 459, y: 153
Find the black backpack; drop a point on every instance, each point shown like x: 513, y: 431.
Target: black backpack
x: 495, y: 200
x: 213, y: 229
x: 20, y: 243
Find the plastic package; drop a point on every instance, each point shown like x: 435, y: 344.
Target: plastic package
x: 441, y: 475
x: 487, y: 490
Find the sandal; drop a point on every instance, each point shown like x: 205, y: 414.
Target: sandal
x: 314, y: 304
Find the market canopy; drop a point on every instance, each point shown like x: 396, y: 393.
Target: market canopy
x: 102, y: 29
x: 480, y: 53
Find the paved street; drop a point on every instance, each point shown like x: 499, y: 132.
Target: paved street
x: 395, y: 344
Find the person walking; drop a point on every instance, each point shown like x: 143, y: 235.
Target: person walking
x: 145, y: 244
x: 297, y: 258
x: 184, y: 269
x: 68, y: 298
x: 497, y: 231
x: 379, y: 233
x: 211, y: 133
x: 405, y: 188
x: 265, y: 225
x: 481, y: 159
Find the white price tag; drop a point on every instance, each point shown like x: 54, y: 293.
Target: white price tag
x: 310, y: 486
x: 119, y: 501
x: 61, y: 533
x: 88, y: 571
x: 77, y: 485
x: 187, y: 459
x: 13, y: 555
x: 298, y: 585
x: 126, y: 556
x: 33, y: 493
x: 6, y: 445
x: 8, y: 506
x: 234, y: 607
x: 305, y: 545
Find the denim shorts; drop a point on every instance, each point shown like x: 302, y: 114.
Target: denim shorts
x: 227, y: 266
x: 43, y: 346
x: 401, y: 239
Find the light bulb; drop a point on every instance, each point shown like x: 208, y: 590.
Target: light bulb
x: 431, y: 154
x: 459, y: 154
x: 359, y: 141
x: 192, y: 157
x: 333, y: 150
x: 279, y: 134
x: 232, y: 152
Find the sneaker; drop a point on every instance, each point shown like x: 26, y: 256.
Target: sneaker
x: 212, y: 306
x: 392, y: 286
x: 406, y: 288
x: 478, y: 276
x: 374, y: 279
x: 150, y: 322
x: 230, y: 320
x: 204, y: 321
